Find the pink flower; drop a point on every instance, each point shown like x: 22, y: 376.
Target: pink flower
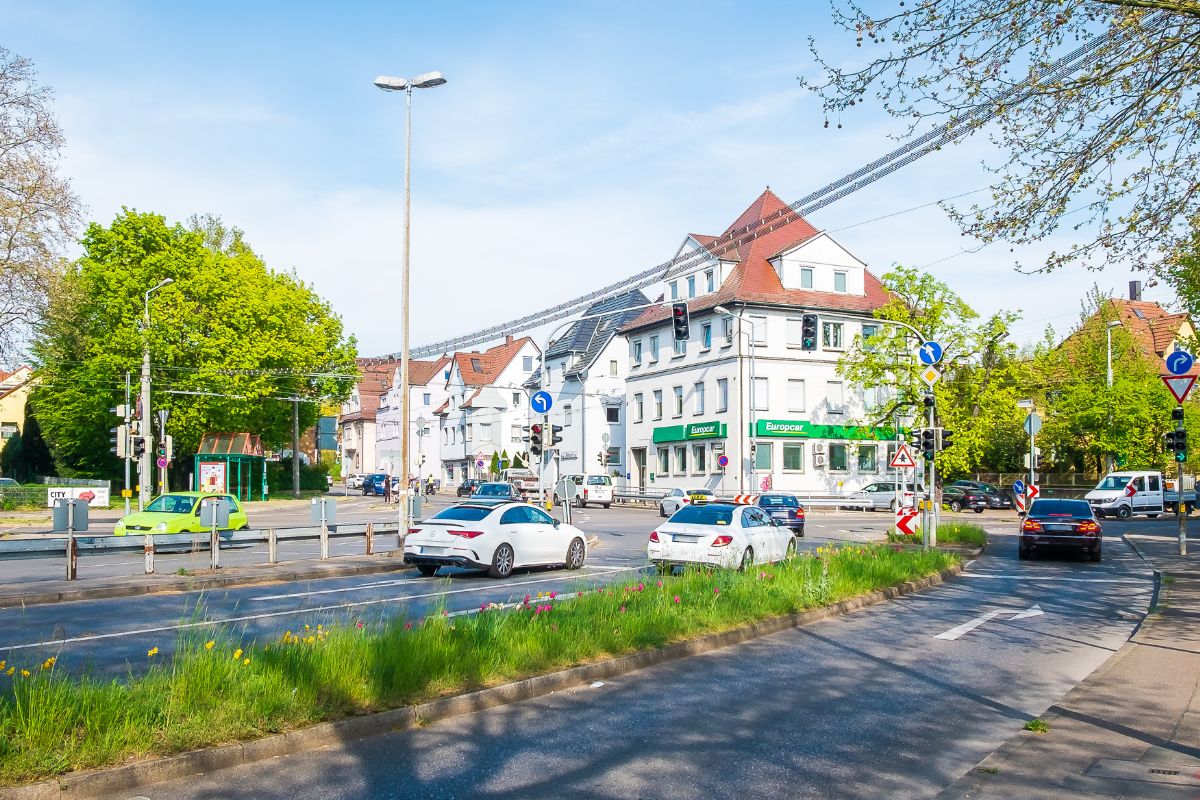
x: 360, y: 625
x: 676, y: 599
x: 553, y: 595
x: 445, y: 613
x: 526, y: 599
x: 660, y: 584
x: 622, y: 609
x: 483, y: 606
x: 579, y: 594
x: 408, y: 626
x: 716, y: 590
x: 641, y: 587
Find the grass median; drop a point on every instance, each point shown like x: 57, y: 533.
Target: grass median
x: 217, y: 688
x: 948, y: 533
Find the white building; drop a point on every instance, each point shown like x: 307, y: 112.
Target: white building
x: 427, y: 392
x: 357, y: 417
x: 586, y: 368
x: 742, y: 385
x: 485, y: 409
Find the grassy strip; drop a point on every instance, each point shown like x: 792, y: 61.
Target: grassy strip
x: 219, y: 689
x: 957, y: 533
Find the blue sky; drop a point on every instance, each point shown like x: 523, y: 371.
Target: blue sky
x: 572, y: 145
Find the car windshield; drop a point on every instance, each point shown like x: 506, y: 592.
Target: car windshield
x: 1060, y: 508
x: 706, y: 492
x: 172, y: 504
x: 463, y: 513
x: 991, y: 487
x: 493, y: 490
x: 599, y: 480
x: 1115, y: 482
x: 703, y: 515
x: 784, y: 500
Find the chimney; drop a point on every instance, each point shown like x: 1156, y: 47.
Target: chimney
x: 508, y: 339
x: 1135, y: 290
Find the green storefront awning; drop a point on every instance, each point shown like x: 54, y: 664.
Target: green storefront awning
x: 692, y: 430
x: 800, y: 429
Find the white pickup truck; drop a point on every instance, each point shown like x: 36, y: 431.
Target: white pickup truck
x: 1128, y: 492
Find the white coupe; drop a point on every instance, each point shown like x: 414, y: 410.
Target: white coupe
x: 493, y: 536
x: 719, y: 535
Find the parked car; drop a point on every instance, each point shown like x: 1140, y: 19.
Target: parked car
x: 373, y: 484
x: 8, y: 483
x: 1125, y: 493
x: 497, y: 537
x: 996, y: 496
x: 678, y: 498
x: 354, y: 481
x: 879, y: 496
x: 1070, y: 524
x: 497, y: 491
x: 785, y: 509
x: 178, y: 512
x: 467, y: 487
x: 720, y: 535
x: 962, y: 498
x: 596, y: 489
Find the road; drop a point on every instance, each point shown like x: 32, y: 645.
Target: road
x: 894, y: 701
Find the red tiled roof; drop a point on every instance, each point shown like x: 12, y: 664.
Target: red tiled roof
x: 491, y: 362
x: 374, y: 375
x: 441, y: 410
x: 420, y: 373
x: 1151, y: 325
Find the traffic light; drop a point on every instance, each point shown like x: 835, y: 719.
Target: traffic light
x: 1181, y: 445
x: 680, y: 321
x: 945, y: 440
x: 808, y: 332
x: 555, y: 430
x: 928, y: 442
x: 120, y: 441
x: 535, y: 440
x: 139, y: 447
x: 422, y: 459
x: 169, y: 444
x: 1177, y: 413
x: 915, y: 441
x: 602, y: 457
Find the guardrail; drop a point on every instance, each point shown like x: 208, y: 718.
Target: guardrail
x: 806, y: 500
x: 72, y: 546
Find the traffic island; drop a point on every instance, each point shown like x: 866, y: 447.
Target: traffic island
x: 373, y: 676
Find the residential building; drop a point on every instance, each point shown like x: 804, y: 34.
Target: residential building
x: 485, y: 407
x: 427, y: 391
x: 14, y: 390
x: 1156, y: 332
x: 357, y: 418
x: 742, y: 386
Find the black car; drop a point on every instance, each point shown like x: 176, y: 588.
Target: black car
x: 961, y: 498
x: 996, y: 496
x: 1054, y: 523
x: 468, y: 487
x: 785, y: 509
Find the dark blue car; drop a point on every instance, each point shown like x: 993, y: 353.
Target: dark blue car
x: 373, y: 484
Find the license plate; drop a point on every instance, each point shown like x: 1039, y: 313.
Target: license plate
x: 432, y: 551
x: 1058, y: 528
x: 685, y: 539
x: 698, y: 498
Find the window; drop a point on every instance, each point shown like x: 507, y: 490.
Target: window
x: 516, y: 399
x: 549, y: 374
x: 760, y: 392
x: 794, y: 329
x: 839, y: 281
x: 526, y: 363
x: 758, y: 330
x: 868, y: 332
x: 706, y: 336
x: 664, y: 461
x: 562, y: 367
x: 691, y: 286
x: 653, y: 349
x: 868, y: 458
x: 467, y: 436
x: 637, y: 408
x: 793, y: 458
x: 485, y: 431
x: 762, y: 456
x: 426, y: 398
x: 637, y: 351
x: 795, y: 395
x: 515, y: 434
x: 710, y: 280
x: 567, y: 416
x: 698, y: 398
x: 680, y: 347
x: 658, y: 404
x: 476, y: 365
x: 445, y: 436
x: 612, y: 414
x: 837, y: 458
x: 681, y: 460
x: 614, y: 457
x: 833, y: 395
x: 678, y: 407
x: 722, y: 394
x: 806, y: 277
x: 831, y: 335
x: 674, y: 290
x: 698, y: 459
x: 613, y: 369
x: 727, y: 330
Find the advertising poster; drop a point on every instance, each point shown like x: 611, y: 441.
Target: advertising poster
x: 212, y: 476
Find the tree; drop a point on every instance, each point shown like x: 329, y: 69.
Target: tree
x: 494, y: 466
x: 231, y: 341
x: 38, y: 211
x: 1116, y: 137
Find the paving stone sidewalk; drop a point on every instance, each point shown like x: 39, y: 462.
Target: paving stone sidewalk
x: 1129, y: 730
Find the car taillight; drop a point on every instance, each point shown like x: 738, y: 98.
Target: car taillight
x: 654, y: 536
x: 414, y: 530
x: 1031, y: 526
x: 799, y: 513
x: 722, y: 540
x: 1088, y: 528
x: 466, y: 534
x: 685, y: 499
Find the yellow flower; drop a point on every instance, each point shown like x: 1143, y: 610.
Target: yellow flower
x: 318, y: 627
x: 152, y: 652
x: 246, y: 662
x: 49, y: 662
x: 237, y: 653
x: 310, y: 640
x: 24, y: 673
x: 306, y: 627
x: 287, y: 636
x: 3, y: 664
x: 10, y: 672
x: 209, y: 645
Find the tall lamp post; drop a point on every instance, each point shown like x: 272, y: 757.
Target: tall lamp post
x: 145, y: 420
x: 406, y: 85
x: 741, y: 389
x: 1108, y: 333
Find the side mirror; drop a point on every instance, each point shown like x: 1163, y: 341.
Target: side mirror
x: 557, y: 523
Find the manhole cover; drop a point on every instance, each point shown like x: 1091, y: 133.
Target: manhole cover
x: 1175, y: 774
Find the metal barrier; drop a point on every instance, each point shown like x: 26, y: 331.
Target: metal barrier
x: 806, y: 500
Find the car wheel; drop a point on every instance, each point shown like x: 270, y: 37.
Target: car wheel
x: 979, y: 511
x: 1124, y: 512
x: 1152, y: 516
x: 892, y: 505
x: 790, y: 552
x: 747, y: 559
x: 955, y: 506
x: 502, y: 561
x: 608, y: 505
x: 427, y: 569
x: 1023, y: 553
x: 1096, y: 554
x: 576, y: 554
x: 662, y: 509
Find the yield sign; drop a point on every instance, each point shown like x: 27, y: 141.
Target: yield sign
x: 903, y: 458
x: 1180, y: 385
x: 906, y: 517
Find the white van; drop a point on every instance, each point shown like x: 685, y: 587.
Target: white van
x: 1128, y: 492
x: 596, y: 489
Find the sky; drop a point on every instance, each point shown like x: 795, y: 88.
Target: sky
x: 572, y: 145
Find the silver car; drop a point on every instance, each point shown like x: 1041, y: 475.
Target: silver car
x: 678, y: 498
x: 879, y: 496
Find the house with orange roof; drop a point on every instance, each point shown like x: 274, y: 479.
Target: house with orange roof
x: 427, y: 392
x: 356, y: 421
x: 14, y: 390
x: 1156, y: 331
x: 742, y: 386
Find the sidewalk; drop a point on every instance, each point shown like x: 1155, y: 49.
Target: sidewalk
x: 1131, y: 728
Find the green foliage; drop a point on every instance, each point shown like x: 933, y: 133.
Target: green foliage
x: 279, y: 476
x: 225, y: 318
x: 494, y: 466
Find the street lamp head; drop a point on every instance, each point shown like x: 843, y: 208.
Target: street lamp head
x: 163, y: 282
x: 723, y: 310
x: 390, y: 84
x: 428, y: 80
x: 1114, y: 324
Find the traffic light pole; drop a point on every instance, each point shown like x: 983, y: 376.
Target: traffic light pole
x: 128, y: 443
x: 1180, y: 517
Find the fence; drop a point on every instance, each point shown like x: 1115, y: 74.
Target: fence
x: 50, y: 480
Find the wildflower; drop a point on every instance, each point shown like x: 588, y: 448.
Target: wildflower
x: 408, y: 626
x: 24, y: 673
x: 359, y: 624
x: 579, y: 594
x: 152, y: 652
x: 287, y: 636
x: 246, y: 662
x: 552, y: 595
x: 660, y: 584
x: 3, y: 664
x: 676, y: 599
x: 10, y: 671
x: 49, y: 662
x: 483, y: 606
x: 209, y: 644
x: 622, y: 609
x: 642, y: 587
x: 238, y: 653
x: 716, y: 590
x: 306, y: 627
x: 309, y: 640
x: 526, y: 599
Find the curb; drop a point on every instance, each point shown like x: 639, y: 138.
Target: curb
x: 1154, y: 593
x: 323, y: 735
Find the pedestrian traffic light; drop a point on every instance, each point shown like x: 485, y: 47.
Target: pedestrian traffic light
x: 139, y: 446
x: 928, y: 442
x: 915, y: 441
x: 535, y: 440
x: 808, y: 332
x: 554, y: 438
x: 680, y: 321
x: 120, y: 441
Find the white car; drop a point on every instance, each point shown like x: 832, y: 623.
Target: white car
x: 678, y: 498
x: 597, y: 489
x: 354, y: 481
x: 719, y: 535
x: 493, y: 536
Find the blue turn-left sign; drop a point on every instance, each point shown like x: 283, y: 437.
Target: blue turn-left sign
x: 541, y: 402
x: 930, y: 353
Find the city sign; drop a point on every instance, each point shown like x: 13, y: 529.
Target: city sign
x: 1179, y: 385
x: 1179, y: 362
x: 541, y: 402
x: 930, y: 353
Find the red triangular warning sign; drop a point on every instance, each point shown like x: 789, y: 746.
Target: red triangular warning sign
x: 903, y: 459
x: 1180, y: 385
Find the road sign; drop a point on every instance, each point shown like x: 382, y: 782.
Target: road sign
x: 903, y: 458
x: 604, y: 437
x: 566, y: 489
x: 722, y: 460
x: 931, y: 376
x: 906, y: 520
x: 541, y: 402
x: 1031, y: 492
x: 162, y: 462
x: 930, y: 353
x: 479, y: 464
x: 1033, y: 423
x: 1018, y: 487
x: 1179, y: 385
x: 1019, y: 500
x: 1179, y: 362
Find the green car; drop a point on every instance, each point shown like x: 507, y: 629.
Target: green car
x: 178, y: 512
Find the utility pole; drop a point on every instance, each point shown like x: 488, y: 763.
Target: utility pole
x: 145, y: 418
x: 296, y: 447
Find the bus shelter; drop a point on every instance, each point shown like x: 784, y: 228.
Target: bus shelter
x: 231, y: 463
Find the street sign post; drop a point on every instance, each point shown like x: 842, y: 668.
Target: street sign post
x: 1019, y: 487
x: 1179, y: 362
x: 929, y: 353
x: 1180, y: 386
x: 1033, y: 423
x: 722, y: 461
x: 541, y: 402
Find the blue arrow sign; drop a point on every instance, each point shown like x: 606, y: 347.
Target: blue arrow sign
x: 1179, y: 362
x: 541, y: 402
x: 1019, y: 488
x: 930, y: 353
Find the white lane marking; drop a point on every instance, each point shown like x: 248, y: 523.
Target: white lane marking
x: 273, y: 614
x: 1049, y: 578
x: 967, y: 627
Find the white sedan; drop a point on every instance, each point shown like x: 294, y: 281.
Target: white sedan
x: 678, y: 498
x: 493, y: 536
x: 720, y: 535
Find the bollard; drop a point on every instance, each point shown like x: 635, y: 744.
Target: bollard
x: 272, y: 547
x: 72, y: 555
x: 148, y: 549
x: 370, y: 538
x: 324, y: 541
x: 214, y: 545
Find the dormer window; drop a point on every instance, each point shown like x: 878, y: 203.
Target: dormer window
x: 477, y: 365
x: 806, y: 277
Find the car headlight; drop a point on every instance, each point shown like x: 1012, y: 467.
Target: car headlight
x: 161, y: 527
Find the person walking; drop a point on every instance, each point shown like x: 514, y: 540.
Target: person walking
x: 387, y: 488
x: 429, y: 485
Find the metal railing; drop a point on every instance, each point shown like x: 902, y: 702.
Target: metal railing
x: 806, y: 500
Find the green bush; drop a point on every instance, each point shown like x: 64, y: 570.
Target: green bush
x: 279, y: 476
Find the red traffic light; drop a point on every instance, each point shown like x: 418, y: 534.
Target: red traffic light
x: 536, y: 429
x: 680, y: 310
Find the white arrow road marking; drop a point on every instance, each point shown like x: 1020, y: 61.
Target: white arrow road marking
x: 967, y: 627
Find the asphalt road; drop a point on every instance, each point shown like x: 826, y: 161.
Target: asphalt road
x: 894, y: 701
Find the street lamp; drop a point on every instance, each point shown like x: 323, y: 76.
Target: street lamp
x: 741, y: 422
x: 426, y: 81
x: 145, y: 422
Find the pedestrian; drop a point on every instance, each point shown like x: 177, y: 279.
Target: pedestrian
x: 429, y: 486
x: 387, y: 488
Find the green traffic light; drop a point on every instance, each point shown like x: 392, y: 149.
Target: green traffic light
x: 1181, y: 456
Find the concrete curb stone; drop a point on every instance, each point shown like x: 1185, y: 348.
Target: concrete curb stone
x: 128, y: 777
